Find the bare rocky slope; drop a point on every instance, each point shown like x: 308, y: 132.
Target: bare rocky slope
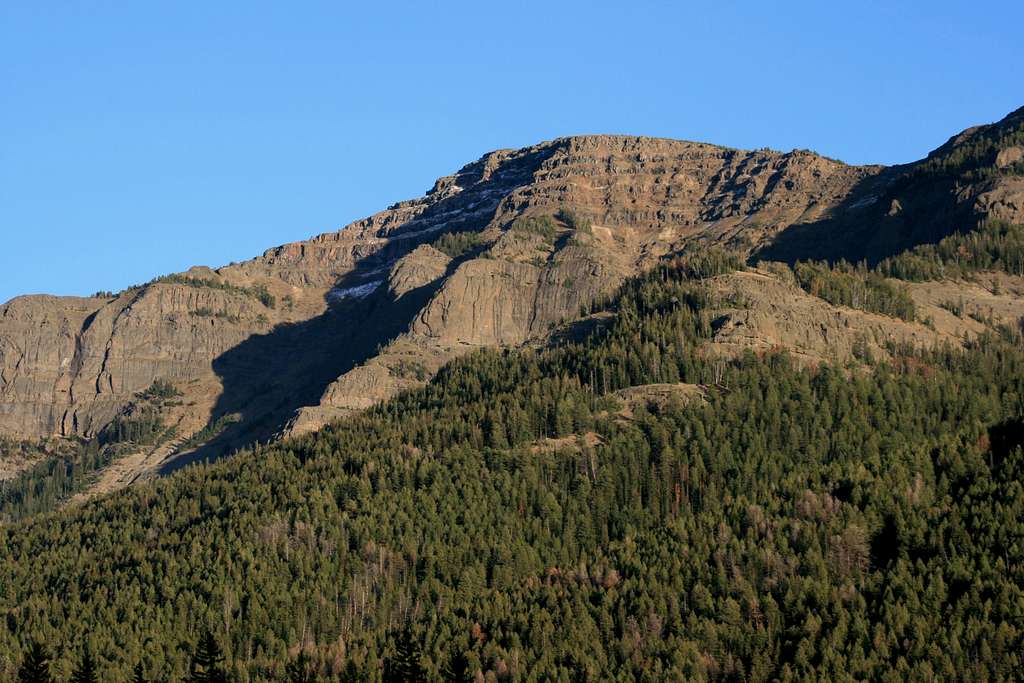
x: 312, y: 330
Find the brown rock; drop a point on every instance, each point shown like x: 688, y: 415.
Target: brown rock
x: 423, y: 266
x: 1009, y: 156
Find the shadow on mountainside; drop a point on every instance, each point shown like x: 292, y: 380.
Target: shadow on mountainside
x: 268, y: 377
x: 885, y: 214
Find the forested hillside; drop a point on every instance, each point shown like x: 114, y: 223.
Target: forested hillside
x: 512, y: 521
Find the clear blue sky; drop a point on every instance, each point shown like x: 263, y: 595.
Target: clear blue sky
x: 140, y: 138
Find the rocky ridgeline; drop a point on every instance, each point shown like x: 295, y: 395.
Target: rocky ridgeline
x: 312, y: 330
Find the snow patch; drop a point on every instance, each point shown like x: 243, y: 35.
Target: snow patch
x: 358, y: 292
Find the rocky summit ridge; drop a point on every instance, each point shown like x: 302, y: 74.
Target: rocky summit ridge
x: 505, y: 252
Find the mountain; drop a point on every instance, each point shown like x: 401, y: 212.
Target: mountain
x: 605, y: 408
x: 501, y: 253
x: 289, y: 339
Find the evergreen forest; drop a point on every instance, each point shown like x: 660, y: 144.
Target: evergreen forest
x: 510, y: 521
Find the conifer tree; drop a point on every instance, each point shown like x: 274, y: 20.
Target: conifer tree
x: 85, y: 672
x: 457, y: 667
x: 207, y: 663
x: 404, y: 665
x: 35, y: 667
x: 139, y: 676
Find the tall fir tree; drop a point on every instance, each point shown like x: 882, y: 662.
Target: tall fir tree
x: 139, y: 675
x: 85, y: 672
x: 207, y: 663
x: 404, y: 665
x: 35, y: 667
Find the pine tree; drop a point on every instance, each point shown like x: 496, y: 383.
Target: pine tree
x: 85, y: 672
x: 457, y: 667
x: 404, y: 666
x: 207, y: 661
x: 139, y: 675
x: 35, y: 667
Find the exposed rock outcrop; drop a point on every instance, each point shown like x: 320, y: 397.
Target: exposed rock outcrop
x: 424, y: 266
x: 760, y: 311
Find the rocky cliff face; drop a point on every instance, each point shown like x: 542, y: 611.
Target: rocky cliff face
x: 68, y: 365
x: 312, y: 330
x: 39, y: 348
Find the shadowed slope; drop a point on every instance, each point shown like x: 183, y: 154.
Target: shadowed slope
x: 976, y: 175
